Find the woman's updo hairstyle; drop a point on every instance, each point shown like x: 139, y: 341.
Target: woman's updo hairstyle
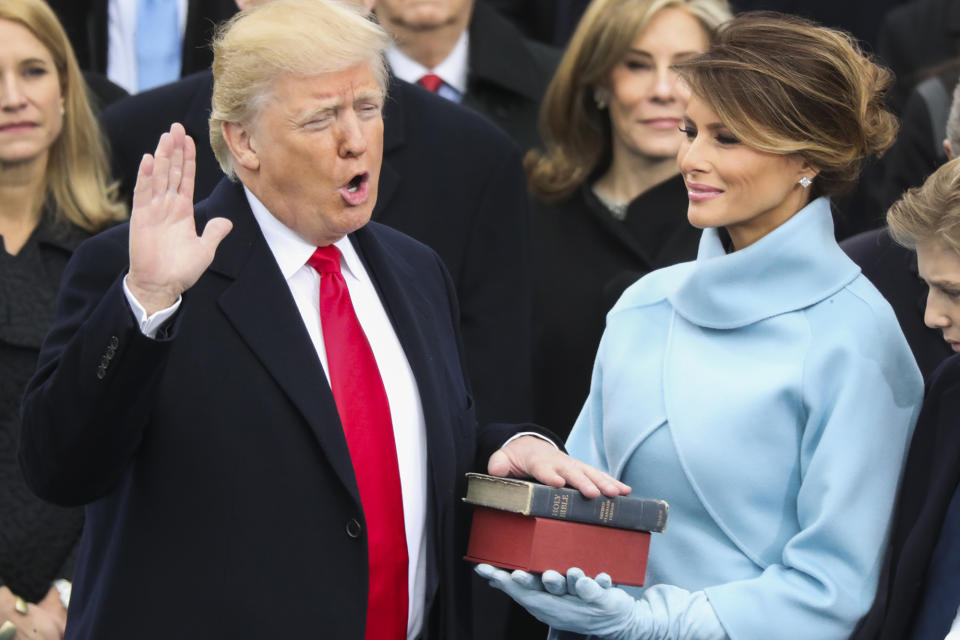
x: 783, y: 84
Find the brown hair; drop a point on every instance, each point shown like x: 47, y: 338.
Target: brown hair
x: 77, y: 175
x: 931, y: 211
x: 784, y: 85
x: 577, y: 133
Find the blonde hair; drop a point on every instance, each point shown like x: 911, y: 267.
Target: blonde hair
x: 930, y: 211
x: 577, y: 133
x: 300, y: 37
x: 77, y: 180
x: 785, y: 85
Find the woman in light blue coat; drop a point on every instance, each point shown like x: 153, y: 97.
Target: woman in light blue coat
x: 764, y: 390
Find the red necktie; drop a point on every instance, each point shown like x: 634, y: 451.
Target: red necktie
x: 365, y: 415
x: 431, y: 82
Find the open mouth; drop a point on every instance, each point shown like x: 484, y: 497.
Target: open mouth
x: 355, y: 183
x: 357, y: 189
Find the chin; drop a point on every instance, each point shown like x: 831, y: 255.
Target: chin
x: 658, y: 152
x: 356, y: 217
x: 701, y: 219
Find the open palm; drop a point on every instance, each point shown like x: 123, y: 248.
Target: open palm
x: 166, y: 255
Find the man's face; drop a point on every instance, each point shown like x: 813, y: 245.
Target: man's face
x: 422, y: 15
x: 315, y: 151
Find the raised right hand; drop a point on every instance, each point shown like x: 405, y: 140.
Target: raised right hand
x: 166, y: 255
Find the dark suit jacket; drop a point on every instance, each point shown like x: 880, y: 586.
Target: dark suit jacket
x: 930, y: 479
x: 918, y: 151
x: 893, y: 271
x: 101, y: 92
x: 914, y: 38
x: 85, y: 22
x: 862, y: 18
x: 583, y: 260
x: 219, y: 490
x: 449, y: 179
x: 549, y: 21
x: 508, y: 75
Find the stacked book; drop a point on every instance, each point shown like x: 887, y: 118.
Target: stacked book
x: 519, y: 524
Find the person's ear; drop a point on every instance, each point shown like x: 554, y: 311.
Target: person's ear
x: 806, y: 172
x: 242, y: 146
x: 948, y: 148
x: 809, y: 170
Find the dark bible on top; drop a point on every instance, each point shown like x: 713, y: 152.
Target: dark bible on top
x: 520, y: 524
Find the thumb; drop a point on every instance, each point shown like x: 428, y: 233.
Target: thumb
x: 499, y: 464
x: 215, y: 231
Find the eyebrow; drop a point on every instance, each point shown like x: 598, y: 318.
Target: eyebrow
x: 679, y: 54
x: 372, y: 94
x: 713, y: 126
x: 945, y: 284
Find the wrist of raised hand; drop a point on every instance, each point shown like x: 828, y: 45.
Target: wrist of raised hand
x: 152, y: 298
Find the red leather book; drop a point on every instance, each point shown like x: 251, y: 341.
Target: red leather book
x: 515, y: 541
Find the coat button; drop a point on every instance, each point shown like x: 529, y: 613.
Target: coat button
x: 353, y: 528
x: 101, y: 373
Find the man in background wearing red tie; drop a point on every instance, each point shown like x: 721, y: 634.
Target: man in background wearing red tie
x: 465, y: 51
x: 269, y: 422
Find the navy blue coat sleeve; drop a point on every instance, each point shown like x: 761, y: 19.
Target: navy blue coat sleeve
x: 86, y: 406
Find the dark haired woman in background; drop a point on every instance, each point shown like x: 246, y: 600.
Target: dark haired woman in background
x: 610, y: 201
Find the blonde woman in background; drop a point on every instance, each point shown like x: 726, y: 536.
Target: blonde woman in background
x: 764, y: 390
x: 54, y: 193
x: 610, y: 203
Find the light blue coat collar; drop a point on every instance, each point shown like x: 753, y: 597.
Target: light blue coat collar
x: 800, y: 259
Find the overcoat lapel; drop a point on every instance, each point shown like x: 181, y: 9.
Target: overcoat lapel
x: 395, y: 280
x: 259, y: 306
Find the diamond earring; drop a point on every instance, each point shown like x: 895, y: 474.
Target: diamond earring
x: 600, y: 96
x: 805, y: 182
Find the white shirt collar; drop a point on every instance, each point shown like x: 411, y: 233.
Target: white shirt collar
x: 290, y: 250
x: 453, y: 70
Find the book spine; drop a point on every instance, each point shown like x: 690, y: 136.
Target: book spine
x: 640, y: 514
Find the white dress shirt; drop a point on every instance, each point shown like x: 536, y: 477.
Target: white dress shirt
x: 291, y: 253
x: 453, y: 70
x: 121, y: 35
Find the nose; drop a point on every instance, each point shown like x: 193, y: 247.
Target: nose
x: 933, y: 315
x: 691, y: 157
x: 12, y: 96
x: 664, y: 85
x: 352, y: 141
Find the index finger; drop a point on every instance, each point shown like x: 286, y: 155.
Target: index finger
x: 143, y: 188
x: 188, y: 178
x: 592, y: 482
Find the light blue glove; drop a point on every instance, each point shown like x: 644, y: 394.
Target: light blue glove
x: 595, y: 607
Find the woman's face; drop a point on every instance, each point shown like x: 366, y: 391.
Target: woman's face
x: 646, y: 103
x: 731, y: 185
x: 30, y: 102
x: 939, y: 266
